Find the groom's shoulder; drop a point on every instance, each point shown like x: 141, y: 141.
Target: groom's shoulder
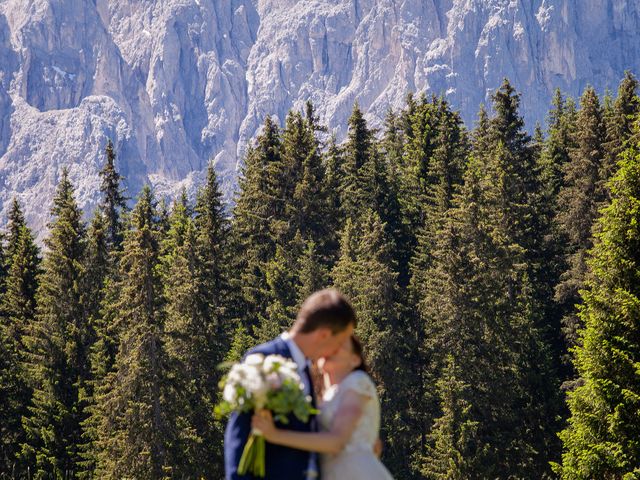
x: 276, y: 346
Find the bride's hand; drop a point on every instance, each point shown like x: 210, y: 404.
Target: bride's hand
x: 263, y: 420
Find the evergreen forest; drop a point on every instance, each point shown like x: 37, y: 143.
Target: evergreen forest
x: 494, y: 269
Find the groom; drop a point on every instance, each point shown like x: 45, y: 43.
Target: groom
x: 325, y: 321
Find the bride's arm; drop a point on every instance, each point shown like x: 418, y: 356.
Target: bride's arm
x: 333, y: 441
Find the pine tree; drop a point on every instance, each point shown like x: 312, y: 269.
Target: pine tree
x: 578, y: 203
x: 57, y: 345
x: 114, y: 202
x: 136, y: 406
x: 601, y: 439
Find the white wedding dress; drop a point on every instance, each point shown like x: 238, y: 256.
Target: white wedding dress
x: 357, y: 460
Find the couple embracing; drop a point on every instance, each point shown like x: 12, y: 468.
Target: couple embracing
x: 340, y: 442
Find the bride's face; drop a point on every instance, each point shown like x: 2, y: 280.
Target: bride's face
x: 341, y: 362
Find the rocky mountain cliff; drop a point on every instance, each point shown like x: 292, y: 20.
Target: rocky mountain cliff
x: 176, y: 83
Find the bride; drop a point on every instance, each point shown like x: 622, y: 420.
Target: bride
x: 349, y: 420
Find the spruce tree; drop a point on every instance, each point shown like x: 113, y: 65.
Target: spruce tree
x: 136, y: 406
x: 436, y: 184
x: 415, y: 181
x: 454, y: 433
x: 393, y: 144
x: 366, y: 273
x: 578, y: 203
x: 15, y: 222
x: 11, y: 407
x: 553, y: 158
x: 17, y: 312
x: 334, y: 177
x: 480, y: 306
x: 213, y: 250
x: 257, y: 220
x: 18, y: 302
x: 98, y: 263
x: 57, y: 346
x: 281, y: 283
x: 619, y: 126
x: 601, y: 439
x: 367, y: 184
x: 114, y: 202
x: 190, y: 338
x: 357, y: 182
x: 439, y: 181
x: 100, y: 270
x: 312, y: 273
x: 309, y: 206
x: 104, y: 247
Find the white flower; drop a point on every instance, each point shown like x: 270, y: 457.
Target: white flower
x: 255, y: 384
x: 236, y: 374
x: 271, y: 362
x: 254, y: 359
x: 230, y: 394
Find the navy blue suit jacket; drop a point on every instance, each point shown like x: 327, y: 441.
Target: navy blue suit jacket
x: 282, y: 463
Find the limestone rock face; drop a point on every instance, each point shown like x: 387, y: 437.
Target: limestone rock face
x: 177, y: 83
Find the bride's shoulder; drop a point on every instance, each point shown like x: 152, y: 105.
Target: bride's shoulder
x: 360, y: 382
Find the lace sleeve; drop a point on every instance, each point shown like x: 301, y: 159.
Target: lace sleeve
x: 361, y: 383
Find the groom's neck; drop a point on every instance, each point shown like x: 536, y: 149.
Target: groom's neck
x: 301, y: 340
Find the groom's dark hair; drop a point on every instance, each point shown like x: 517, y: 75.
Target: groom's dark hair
x: 325, y: 308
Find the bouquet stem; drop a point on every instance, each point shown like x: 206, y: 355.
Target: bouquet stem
x: 253, y: 457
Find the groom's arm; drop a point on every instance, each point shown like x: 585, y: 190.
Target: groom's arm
x: 235, y: 438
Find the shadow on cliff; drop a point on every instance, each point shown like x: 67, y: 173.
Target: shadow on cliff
x: 8, y: 65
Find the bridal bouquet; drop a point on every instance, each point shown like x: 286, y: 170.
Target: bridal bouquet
x: 263, y: 382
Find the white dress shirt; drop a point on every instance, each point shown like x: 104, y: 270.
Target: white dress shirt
x: 300, y: 360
